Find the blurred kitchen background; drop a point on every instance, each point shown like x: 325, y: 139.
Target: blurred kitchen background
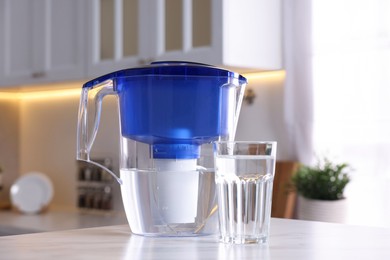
x: 318, y: 71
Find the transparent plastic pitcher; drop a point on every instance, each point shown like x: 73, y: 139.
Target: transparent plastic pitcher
x: 170, y: 113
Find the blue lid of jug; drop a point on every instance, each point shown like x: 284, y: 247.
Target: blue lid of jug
x: 176, y: 106
x: 169, y: 68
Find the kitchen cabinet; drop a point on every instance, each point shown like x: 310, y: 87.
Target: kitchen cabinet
x: 41, y: 41
x: 57, y: 40
x: 115, y: 29
x: 238, y: 34
x: 242, y: 35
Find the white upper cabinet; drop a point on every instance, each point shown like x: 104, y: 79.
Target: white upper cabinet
x: 115, y: 33
x: 244, y: 35
x: 58, y: 40
x: 41, y: 41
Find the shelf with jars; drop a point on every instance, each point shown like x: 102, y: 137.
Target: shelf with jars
x: 95, y: 186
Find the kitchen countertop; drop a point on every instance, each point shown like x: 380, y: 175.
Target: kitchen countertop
x: 290, y: 239
x: 55, y: 219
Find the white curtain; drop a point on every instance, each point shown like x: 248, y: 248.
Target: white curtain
x: 351, y: 83
x: 337, y: 88
x: 337, y: 94
x: 298, y: 94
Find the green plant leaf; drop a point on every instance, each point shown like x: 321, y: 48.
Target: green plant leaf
x: 325, y: 181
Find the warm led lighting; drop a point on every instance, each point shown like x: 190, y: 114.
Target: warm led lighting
x: 277, y: 74
x: 50, y: 94
x: 33, y: 95
x: 9, y: 95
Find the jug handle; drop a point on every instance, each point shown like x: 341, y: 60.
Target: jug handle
x: 85, y: 137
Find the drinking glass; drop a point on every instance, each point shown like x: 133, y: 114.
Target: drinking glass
x: 244, y: 173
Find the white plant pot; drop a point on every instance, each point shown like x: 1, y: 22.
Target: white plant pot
x: 322, y: 210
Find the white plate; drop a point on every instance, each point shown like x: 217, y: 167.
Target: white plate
x: 31, y: 192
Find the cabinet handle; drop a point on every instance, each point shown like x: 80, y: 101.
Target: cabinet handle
x: 142, y: 62
x: 145, y: 61
x: 38, y: 74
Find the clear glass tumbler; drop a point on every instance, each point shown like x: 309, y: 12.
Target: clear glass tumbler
x: 244, y: 173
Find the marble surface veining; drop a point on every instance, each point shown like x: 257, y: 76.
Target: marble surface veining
x: 290, y: 239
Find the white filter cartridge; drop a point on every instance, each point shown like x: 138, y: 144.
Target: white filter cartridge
x: 177, y: 190
x: 175, y: 165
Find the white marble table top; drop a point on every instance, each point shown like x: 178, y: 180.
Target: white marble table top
x: 290, y: 239
x: 14, y: 223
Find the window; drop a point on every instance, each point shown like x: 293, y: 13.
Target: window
x: 351, y: 83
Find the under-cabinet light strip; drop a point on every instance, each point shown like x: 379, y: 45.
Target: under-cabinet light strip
x: 276, y: 74
x: 46, y: 94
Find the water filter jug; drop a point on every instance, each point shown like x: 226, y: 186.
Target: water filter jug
x: 170, y: 113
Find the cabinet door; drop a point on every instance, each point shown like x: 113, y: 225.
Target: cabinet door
x: 188, y: 30
x: 40, y: 41
x: 17, y: 41
x: 63, y: 41
x: 127, y: 33
x: 115, y: 29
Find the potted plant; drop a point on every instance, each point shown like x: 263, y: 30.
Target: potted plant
x: 321, y: 191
